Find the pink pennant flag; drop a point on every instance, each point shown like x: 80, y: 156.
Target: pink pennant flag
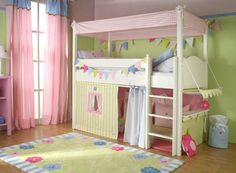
x: 138, y: 65
x: 85, y: 67
x: 100, y: 74
x: 113, y: 75
x: 173, y: 43
x: 152, y: 40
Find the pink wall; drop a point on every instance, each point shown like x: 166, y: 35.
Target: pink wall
x: 81, y: 10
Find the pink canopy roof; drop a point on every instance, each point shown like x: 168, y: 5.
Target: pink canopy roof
x: 152, y: 25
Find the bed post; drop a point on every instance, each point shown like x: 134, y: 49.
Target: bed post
x: 178, y: 90
x: 74, y: 56
x: 148, y: 68
x: 205, y: 52
x: 109, y: 46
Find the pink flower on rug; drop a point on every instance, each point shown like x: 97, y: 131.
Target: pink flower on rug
x: 47, y: 141
x: 34, y: 159
x: 118, y: 148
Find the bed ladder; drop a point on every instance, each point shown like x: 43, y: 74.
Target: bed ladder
x: 169, y: 136
x: 149, y: 115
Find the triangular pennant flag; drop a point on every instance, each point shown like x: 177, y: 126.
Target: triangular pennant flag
x: 132, y: 69
x: 138, y: 65
x: 106, y: 74
x: 125, y: 71
x: 133, y: 43
x: 100, y: 74
x: 173, y: 44
x: 113, y: 75
x: 152, y: 40
x: 165, y: 43
x: 95, y: 72
x: 113, y: 47
x: 184, y: 43
x: 85, y: 68
x: 158, y: 41
x: 90, y: 70
x: 76, y: 61
x: 190, y: 41
x: 125, y: 45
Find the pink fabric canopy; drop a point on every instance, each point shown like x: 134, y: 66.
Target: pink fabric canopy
x: 152, y: 25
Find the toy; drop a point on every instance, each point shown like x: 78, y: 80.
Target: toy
x: 205, y: 104
x: 189, y: 145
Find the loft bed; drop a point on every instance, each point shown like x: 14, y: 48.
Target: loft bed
x: 188, y: 74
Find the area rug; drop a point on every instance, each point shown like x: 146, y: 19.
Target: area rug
x: 77, y: 153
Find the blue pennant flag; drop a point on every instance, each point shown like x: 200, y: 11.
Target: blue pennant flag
x: 125, y: 45
x: 132, y: 69
x: 76, y: 61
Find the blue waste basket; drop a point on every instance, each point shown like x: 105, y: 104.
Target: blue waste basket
x: 218, y: 131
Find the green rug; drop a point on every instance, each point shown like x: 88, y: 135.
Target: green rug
x: 76, y: 153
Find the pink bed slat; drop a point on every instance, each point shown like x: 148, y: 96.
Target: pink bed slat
x: 152, y: 25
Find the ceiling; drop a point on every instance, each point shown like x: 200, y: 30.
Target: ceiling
x: 115, y: 8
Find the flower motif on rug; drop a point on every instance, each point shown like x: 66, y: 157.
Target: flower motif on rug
x: 52, y: 167
x: 150, y: 170
x: 165, y: 161
x: 26, y: 147
x: 48, y: 141
x: 100, y: 143
x: 116, y: 148
x: 69, y: 137
x: 34, y: 159
x: 140, y: 156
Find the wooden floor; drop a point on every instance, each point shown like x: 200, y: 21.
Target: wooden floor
x: 208, y: 160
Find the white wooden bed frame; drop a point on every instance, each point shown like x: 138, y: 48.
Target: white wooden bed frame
x: 180, y: 80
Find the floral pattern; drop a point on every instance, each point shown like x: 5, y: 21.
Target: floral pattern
x: 48, y: 141
x: 52, y: 167
x: 100, y: 143
x: 116, y: 148
x: 140, y: 156
x: 26, y: 147
x: 150, y: 170
x: 69, y: 136
x: 34, y: 159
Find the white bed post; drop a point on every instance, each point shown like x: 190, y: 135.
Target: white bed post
x: 74, y: 56
x: 178, y: 91
x: 148, y: 68
x: 205, y: 52
x: 109, y: 46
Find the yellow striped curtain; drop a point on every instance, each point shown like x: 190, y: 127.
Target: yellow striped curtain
x: 104, y: 123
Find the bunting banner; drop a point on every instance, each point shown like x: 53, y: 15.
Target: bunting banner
x: 112, y: 74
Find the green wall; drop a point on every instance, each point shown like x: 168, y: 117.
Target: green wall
x: 2, y: 27
x: 222, y: 57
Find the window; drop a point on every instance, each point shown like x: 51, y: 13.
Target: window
x: 95, y: 102
x: 38, y: 13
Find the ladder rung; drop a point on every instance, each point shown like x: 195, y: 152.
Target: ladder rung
x: 161, y: 97
x: 161, y: 116
x: 160, y: 136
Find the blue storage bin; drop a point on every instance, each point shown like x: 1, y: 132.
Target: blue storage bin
x: 218, y: 132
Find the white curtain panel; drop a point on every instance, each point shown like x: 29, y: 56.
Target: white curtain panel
x: 135, y: 118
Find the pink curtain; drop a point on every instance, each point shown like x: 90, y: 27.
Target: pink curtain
x: 19, y: 47
x: 55, y: 107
